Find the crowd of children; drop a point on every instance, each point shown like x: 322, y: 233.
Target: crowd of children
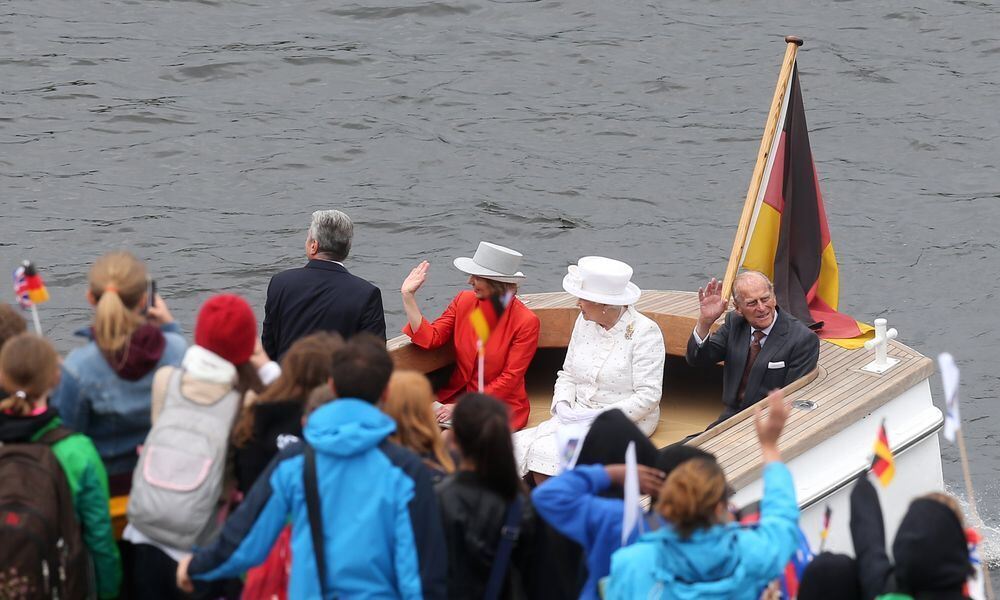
x: 328, y: 476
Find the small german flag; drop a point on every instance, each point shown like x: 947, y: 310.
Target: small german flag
x: 825, y: 532
x: 883, y: 464
x: 28, y: 286
x: 486, y: 315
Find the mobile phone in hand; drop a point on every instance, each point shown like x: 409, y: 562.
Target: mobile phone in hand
x: 150, y: 294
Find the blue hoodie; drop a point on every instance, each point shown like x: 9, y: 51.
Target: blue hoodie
x: 570, y: 504
x: 722, y: 562
x: 381, y: 522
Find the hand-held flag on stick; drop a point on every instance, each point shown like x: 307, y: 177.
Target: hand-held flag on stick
x: 28, y: 286
x: 949, y: 379
x: 883, y: 465
x: 484, y: 319
x: 953, y: 433
x: 633, y: 511
x: 825, y: 533
x: 30, y: 291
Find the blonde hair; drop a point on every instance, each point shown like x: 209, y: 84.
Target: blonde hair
x: 117, y: 283
x: 408, y: 401
x: 29, y: 367
x: 691, y: 495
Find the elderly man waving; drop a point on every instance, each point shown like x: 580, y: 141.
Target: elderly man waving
x: 764, y: 348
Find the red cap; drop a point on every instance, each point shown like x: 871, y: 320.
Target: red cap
x: 227, y: 326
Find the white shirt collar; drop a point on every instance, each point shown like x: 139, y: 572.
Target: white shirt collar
x: 336, y: 262
x: 767, y: 330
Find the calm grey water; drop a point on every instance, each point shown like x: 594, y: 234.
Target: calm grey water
x: 202, y: 134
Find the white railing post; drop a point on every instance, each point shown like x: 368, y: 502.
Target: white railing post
x: 880, y: 344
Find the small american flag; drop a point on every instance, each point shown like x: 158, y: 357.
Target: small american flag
x: 21, y: 288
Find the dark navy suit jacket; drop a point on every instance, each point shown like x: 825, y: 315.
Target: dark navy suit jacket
x: 790, y: 352
x: 322, y: 296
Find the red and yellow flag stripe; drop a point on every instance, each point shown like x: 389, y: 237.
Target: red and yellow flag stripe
x: 790, y: 240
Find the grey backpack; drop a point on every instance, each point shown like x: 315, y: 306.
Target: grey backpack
x: 178, y: 480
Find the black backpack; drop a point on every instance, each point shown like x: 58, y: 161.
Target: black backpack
x: 41, y: 548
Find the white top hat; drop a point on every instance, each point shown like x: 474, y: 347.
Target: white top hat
x: 602, y: 280
x: 492, y: 262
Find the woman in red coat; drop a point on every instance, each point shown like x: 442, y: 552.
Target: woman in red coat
x: 493, y: 272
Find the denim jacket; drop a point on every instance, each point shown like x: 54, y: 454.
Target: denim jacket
x: 111, y: 411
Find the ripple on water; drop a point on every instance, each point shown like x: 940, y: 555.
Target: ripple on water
x: 202, y: 134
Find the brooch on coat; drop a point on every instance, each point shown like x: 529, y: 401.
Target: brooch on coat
x: 630, y: 330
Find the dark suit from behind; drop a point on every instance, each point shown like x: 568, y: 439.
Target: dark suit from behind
x: 322, y: 296
x: 789, y: 342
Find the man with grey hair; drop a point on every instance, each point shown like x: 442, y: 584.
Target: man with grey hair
x: 321, y: 296
x: 764, y: 348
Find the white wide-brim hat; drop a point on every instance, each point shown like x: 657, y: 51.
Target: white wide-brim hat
x: 492, y: 262
x: 602, y: 280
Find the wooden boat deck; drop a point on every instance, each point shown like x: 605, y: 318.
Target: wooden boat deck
x: 841, y: 392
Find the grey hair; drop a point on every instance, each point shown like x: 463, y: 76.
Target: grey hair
x: 742, y: 277
x: 333, y: 231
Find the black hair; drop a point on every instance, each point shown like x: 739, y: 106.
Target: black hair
x: 482, y: 430
x: 361, y: 368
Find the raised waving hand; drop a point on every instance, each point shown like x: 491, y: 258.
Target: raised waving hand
x: 411, y: 284
x: 415, y: 279
x: 711, y: 305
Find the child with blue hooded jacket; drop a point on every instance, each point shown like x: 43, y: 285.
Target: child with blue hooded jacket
x: 574, y: 503
x: 378, y: 514
x: 699, y: 553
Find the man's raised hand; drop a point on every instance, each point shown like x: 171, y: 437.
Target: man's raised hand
x: 711, y: 302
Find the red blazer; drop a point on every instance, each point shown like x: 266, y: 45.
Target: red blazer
x: 509, y: 351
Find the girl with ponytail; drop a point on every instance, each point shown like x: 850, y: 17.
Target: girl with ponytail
x: 29, y: 369
x: 105, y: 387
x: 699, y: 553
x: 474, y: 501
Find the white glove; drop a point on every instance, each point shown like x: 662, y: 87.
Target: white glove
x: 567, y: 414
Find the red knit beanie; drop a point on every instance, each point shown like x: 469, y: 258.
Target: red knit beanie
x: 226, y: 326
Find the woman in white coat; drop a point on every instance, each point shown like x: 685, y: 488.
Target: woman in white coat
x: 614, y: 360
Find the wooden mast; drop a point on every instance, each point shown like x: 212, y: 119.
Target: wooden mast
x: 770, y: 130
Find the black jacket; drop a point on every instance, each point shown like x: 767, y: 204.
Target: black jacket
x: 932, y: 558
x: 789, y: 352
x: 275, y: 424
x: 472, y: 517
x: 322, y: 296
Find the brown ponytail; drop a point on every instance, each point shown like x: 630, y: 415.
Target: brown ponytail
x: 305, y: 366
x: 691, y: 495
x: 29, y: 369
x: 482, y: 430
x: 117, y: 284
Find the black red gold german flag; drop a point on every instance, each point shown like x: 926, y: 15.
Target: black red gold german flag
x: 789, y: 238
